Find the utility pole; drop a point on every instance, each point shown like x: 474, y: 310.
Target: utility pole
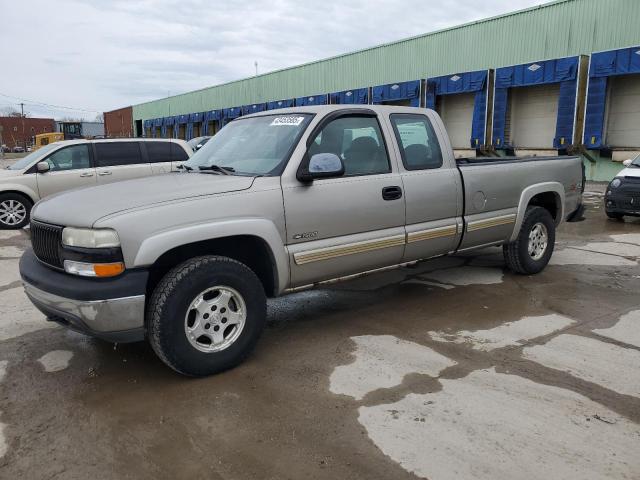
x: 256, y: 64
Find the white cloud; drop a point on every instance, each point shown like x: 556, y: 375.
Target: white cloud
x: 101, y: 55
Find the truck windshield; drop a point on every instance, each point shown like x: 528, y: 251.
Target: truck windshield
x: 252, y: 146
x: 25, y: 162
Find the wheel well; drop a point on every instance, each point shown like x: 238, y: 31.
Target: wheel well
x: 549, y: 201
x: 249, y: 250
x: 18, y: 192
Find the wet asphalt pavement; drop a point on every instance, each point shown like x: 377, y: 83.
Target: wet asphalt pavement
x: 448, y: 369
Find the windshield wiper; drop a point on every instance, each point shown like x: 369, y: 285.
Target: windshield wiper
x: 185, y: 167
x: 217, y: 169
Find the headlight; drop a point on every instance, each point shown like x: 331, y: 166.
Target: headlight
x: 90, y: 238
x: 615, y: 183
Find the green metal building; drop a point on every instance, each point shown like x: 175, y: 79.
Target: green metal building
x: 557, y: 30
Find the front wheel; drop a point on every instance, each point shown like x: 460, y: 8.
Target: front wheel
x: 14, y: 211
x: 206, y: 315
x: 532, y: 249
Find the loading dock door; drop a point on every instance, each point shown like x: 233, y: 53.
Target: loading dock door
x: 534, y: 112
x: 623, y: 117
x: 457, y: 114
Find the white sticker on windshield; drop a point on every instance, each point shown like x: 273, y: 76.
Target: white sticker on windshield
x: 295, y: 121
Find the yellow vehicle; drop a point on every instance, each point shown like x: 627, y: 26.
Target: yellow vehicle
x: 43, y: 139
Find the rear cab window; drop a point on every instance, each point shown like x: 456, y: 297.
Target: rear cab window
x: 417, y: 140
x: 113, y: 154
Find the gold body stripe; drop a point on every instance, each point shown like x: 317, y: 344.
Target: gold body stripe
x: 327, y: 253
x: 349, y: 249
x: 491, y: 222
x: 432, y: 233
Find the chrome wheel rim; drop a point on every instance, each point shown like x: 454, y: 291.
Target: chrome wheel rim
x: 12, y: 212
x: 215, y: 319
x: 538, y: 241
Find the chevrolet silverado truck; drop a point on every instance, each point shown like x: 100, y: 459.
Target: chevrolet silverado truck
x: 274, y: 202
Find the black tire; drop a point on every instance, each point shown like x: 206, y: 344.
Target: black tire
x: 516, y: 254
x: 24, y: 202
x: 615, y: 215
x: 170, y: 301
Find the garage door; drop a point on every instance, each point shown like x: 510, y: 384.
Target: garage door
x: 457, y: 114
x: 534, y: 112
x: 623, y: 119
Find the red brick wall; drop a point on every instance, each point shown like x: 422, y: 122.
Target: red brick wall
x: 20, y: 131
x: 119, y: 123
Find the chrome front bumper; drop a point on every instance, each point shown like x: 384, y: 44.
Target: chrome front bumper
x: 113, y: 319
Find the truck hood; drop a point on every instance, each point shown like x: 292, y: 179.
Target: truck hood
x: 629, y: 172
x: 84, y: 206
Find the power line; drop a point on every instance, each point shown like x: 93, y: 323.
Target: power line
x: 36, y: 103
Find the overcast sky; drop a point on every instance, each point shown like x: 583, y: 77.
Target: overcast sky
x: 102, y: 55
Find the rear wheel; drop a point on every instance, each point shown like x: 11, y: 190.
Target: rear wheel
x: 206, y: 315
x: 532, y: 249
x: 14, y: 211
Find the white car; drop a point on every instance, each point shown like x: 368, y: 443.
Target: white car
x: 71, y: 164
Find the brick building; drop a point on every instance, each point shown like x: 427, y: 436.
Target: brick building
x: 19, y: 131
x: 118, y: 123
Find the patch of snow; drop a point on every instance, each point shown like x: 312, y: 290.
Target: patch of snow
x: 573, y: 256
x: 11, y: 252
x: 490, y: 426
x: 9, y: 272
x: 382, y: 361
x: 510, y: 333
x: 627, y: 330
x: 612, y: 367
x: 55, y: 360
x: 18, y: 315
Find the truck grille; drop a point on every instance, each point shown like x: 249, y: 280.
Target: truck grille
x: 46, y: 240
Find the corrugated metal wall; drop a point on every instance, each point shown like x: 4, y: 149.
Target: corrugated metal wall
x: 559, y: 29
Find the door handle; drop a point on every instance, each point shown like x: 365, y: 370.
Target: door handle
x: 86, y: 174
x: 102, y: 174
x: 391, y: 193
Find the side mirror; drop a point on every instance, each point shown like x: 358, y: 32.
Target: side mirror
x: 322, y: 165
x: 43, y: 167
x: 626, y: 163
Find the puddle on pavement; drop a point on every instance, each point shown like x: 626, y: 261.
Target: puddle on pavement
x: 382, y: 361
x: 489, y: 425
x: 508, y: 334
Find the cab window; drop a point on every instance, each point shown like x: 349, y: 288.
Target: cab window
x: 69, y: 158
x: 358, y: 141
x: 417, y: 140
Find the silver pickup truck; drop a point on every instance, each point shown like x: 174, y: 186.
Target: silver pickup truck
x: 273, y: 202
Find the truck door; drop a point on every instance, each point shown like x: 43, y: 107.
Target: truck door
x: 432, y: 188
x: 353, y: 223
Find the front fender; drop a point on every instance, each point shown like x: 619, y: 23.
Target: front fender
x: 25, y: 190
x: 530, y: 192
x: 153, y: 247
